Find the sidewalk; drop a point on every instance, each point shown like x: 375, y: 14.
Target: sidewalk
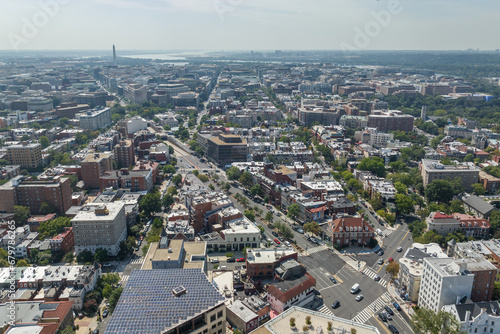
x: 391, y: 288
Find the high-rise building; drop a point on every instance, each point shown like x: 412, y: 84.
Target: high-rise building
x: 136, y: 94
x: 114, y: 55
x: 434, y: 170
x: 25, y: 155
x: 100, y: 226
x: 124, y: 154
x: 93, y: 166
x: 95, y: 119
x: 423, y: 113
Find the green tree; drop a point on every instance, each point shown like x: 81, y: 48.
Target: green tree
x: 53, y: 227
x: 22, y: 263
x: 151, y: 203
x: 167, y: 201
x: 401, y: 188
x: 354, y: 184
x: 203, y: 177
x: 101, y: 255
x: 233, y: 173
x: 21, y: 214
x: 113, y: 299
x: 496, y: 291
x: 426, y: 321
x: 256, y: 190
x: 312, y: 227
x: 374, y: 164
x: 469, y: 157
x: 293, y: 210
x: 249, y: 214
x: 85, y: 257
x: 169, y: 169
x: 346, y: 175
x: 269, y: 217
x: 44, y: 141
x: 226, y: 186
x: 478, y: 189
x: 439, y: 191
x: 246, y: 179
x: 46, y: 208
x: 177, y: 180
x: 171, y: 149
x: 404, y: 203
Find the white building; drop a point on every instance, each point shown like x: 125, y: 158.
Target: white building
x: 481, y: 317
x: 136, y: 94
x: 40, y: 104
x: 240, y: 231
x: 444, y: 281
x: 100, y: 226
x: 94, y: 119
x: 442, y: 223
x: 373, y: 137
x: 135, y: 124
x: 410, y: 273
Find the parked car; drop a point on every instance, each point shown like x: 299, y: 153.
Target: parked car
x: 80, y: 315
x: 334, y: 281
x: 359, y: 298
x: 105, y: 313
x: 335, y: 304
x: 281, y: 239
x: 399, y: 249
x: 288, y: 244
x: 231, y: 259
x: 380, y: 261
x: 241, y: 259
x: 382, y: 317
x: 396, y: 306
x: 96, y: 331
x: 380, y: 252
x: 393, y: 329
x: 391, y: 259
x: 301, y: 231
x: 274, y: 233
x: 388, y: 316
x: 277, y: 241
x: 214, y: 260
x: 389, y: 310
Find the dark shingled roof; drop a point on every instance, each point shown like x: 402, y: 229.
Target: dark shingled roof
x: 492, y: 307
x: 477, y: 203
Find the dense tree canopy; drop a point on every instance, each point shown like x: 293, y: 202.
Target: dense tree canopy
x: 374, y: 164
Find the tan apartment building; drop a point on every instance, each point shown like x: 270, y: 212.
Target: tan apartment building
x: 434, y: 170
x: 25, y: 155
x: 100, y: 226
x: 226, y: 149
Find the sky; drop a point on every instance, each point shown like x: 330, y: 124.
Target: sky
x: 225, y: 25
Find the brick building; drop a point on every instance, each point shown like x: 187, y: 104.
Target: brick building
x: 124, y: 154
x: 64, y: 241
x: 93, y: 166
x: 390, y: 120
x: 261, y: 262
x: 351, y: 230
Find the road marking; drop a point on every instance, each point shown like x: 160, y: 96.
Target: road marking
x: 383, y: 325
x: 395, y: 249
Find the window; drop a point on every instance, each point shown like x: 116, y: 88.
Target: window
x: 212, y: 318
x: 213, y: 326
x: 219, y: 314
x: 220, y: 323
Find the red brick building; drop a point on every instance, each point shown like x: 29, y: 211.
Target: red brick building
x: 124, y: 154
x: 351, y: 230
x: 64, y: 241
x: 35, y: 221
x: 55, y: 191
x: 473, y: 226
x: 94, y: 166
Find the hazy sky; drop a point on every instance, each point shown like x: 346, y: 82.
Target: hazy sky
x: 249, y: 24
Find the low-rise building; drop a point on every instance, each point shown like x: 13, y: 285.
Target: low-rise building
x: 351, y: 231
x: 442, y: 223
x: 434, y: 170
x: 476, y: 205
x: 261, y: 262
x: 295, y: 291
x: 482, y: 317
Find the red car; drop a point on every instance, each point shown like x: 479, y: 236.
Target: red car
x: 141, y: 238
x: 277, y: 241
x: 241, y: 259
x: 391, y: 259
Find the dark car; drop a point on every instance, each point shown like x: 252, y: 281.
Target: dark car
x: 274, y: 233
x: 396, y: 306
x: 334, y: 281
x: 376, y: 278
x: 231, y: 259
x: 336, y: 304
x: 96, y: 331
x: 380, y: 252
x: 105, y: 313
x: 389, y: 310
x: 393, y: 329
x: 241, y: 259
x: 382, y: 317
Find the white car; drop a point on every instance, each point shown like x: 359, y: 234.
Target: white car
x: 214, y: 260
x: 359, y: 298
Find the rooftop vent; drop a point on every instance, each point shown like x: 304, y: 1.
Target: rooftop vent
x: 180, y: 290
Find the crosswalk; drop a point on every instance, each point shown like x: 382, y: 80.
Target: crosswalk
x: 325, y: 310
x: 371, y: 309
x: 386, y: 233
x: 139, y: 260
x: 370, y: 273
x: 124, y: 279
x: 316, y: 249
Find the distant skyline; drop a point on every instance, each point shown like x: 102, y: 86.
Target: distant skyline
x: 249, y: 24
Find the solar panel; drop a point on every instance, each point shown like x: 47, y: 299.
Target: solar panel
x: 149, y: 303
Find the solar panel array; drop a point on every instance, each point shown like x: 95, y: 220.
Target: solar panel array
x: 147, y: 304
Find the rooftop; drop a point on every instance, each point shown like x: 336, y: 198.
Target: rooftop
x: 99, y: 212
x: 268, y: 255
x: 148, y: 305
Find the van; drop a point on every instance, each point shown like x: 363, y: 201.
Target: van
x: 355, y: 288
x: 379, y: 231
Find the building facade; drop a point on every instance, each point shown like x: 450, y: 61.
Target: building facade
x: 25, y: 155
